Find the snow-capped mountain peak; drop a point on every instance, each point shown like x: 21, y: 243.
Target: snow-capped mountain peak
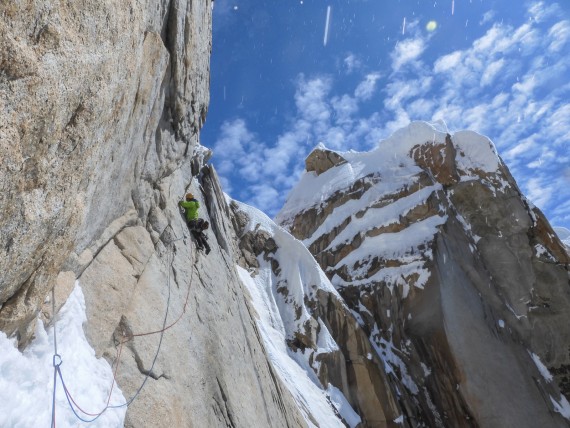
x: 446, y: 265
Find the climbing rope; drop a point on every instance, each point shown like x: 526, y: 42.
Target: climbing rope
x: 57, y: 360
x: 56, y: 357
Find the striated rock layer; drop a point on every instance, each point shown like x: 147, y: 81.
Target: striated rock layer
x: 460, y: 283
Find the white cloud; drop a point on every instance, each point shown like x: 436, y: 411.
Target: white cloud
x: 546, y: 156
x: 538, y: 191
x: 401, y: 119
x: 236, y: 153
x: 235, y: 147
x: 540, y: 12
x: 226, y: 184
x: 399, y: 91
x: 310, y: 98
x: 558, y: 126
x: 234, y: 135
x: 491, y: 72
x: 407, y: 51
x: 345, y: 107
x: 487, y: 17
x: 421, y: 109
x: 276, y: 159
x: 265, y: 196
x: 335, y: 138
x: 488, y: 41
x: 519, y: 149
x: 367, y: 87
x: 560, y: 35
x: 352, y: 63
x: 447, y: 62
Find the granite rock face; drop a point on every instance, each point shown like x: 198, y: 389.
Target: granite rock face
x: 101, y: 103
x: 451, y: 291
x: 99, y: 100
x: 321, y: 159
x: 211, y: 369
x: 459, y: 281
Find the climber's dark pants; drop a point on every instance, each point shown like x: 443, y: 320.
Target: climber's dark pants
x: 198, y: 235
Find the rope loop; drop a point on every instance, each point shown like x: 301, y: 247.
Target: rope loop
x: 57, y: 360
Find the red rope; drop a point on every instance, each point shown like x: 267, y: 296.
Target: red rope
x: 167, y: 327
x: 110, y: 391
x: 118, y: 359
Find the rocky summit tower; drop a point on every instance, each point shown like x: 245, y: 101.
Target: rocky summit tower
x: 458, y: 280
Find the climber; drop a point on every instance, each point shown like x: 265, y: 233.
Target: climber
x: 195, y: 224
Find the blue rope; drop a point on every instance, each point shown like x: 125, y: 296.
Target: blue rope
x: 71, y: 404
x: 171, y: 258
x: 55, y: 354
x: 53, y: 400
x: 57, y: 370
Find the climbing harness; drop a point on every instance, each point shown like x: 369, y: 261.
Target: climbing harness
x: 57, y: 360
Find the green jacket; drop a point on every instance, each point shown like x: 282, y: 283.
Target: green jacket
x: 190, y: 208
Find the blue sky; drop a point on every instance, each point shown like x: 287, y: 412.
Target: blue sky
x: 282, y: 81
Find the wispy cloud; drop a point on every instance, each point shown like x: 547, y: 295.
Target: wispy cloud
x: 352, y: 63
x: 487, y: 17
x: 560, y: 35
x: 540, y: 11
x: 510, y: 84
x: 274, y: 166
x: 366, y: 88
x: 407, y: 51
x: 484, y: 88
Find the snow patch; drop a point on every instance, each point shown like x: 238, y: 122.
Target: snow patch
x: 563, y: 407
x: 26, y: 383
x: 541, y: 251
x: 387, y: 353
x: 541, y: 367
x: 379, y: 217
x: 475, y: 151
x: 280, y: 300
x: 340, y: 403
x: 300, y: 381
x: 426, y: 369
x: 394, y: 246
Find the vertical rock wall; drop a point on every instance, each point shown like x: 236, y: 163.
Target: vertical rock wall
x: 99, y: 100
x: 101, y: 103
x: 209, y: 368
